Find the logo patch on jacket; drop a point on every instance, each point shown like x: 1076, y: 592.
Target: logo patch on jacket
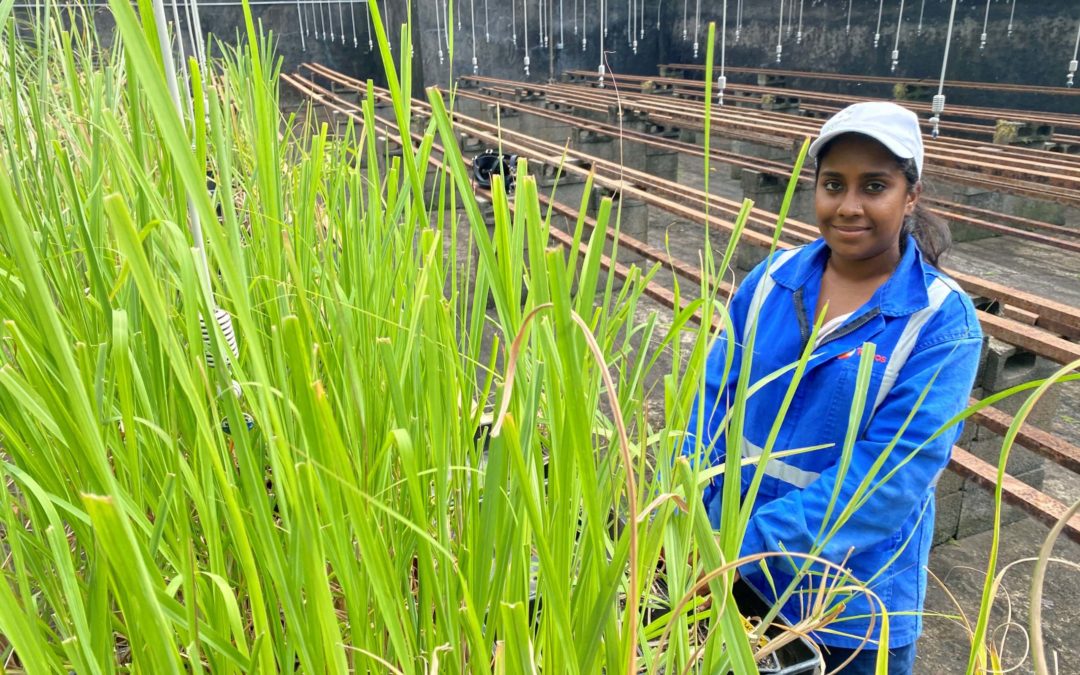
x: 878, y: 358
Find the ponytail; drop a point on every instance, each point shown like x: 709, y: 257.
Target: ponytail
x: 931, y: 233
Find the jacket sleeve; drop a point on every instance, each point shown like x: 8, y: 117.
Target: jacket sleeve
x: 711, y: 405
x: 793, y: 522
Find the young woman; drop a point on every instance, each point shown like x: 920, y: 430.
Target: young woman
x: 873, y: 275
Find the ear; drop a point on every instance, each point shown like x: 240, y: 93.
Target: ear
x: 912, y: 199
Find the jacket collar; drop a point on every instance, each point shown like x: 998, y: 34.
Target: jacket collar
x: 904, y: 293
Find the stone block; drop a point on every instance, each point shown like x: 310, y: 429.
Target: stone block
x: 977, y: 509
x: 947, y: 517
x: 1006, y: 366
x: 949, y: 483
x: 1009, y: 132
x: 768, y: 80
x: 596, y: 144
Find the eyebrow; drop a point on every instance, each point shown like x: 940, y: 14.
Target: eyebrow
x: 868, y: 174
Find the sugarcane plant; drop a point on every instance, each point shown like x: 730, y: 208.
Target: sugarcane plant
x: 448, y: 447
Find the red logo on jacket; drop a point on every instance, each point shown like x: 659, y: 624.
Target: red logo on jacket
x: 858, y: 352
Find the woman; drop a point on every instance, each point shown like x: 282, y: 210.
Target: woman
x: 873, y: 275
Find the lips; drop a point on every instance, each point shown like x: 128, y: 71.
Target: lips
x: 850, y: 229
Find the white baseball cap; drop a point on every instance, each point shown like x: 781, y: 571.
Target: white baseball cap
x: 887, y: 123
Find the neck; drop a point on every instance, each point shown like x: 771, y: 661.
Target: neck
x: 879, y: 266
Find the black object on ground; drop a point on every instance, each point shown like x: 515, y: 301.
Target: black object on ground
x: 489, y: 163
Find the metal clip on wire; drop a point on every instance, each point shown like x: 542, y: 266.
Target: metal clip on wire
x: 937, y: 107
x: 1072, y: 73
x: 779, y: 52
x: 895, y: 59
x: 721, y: 85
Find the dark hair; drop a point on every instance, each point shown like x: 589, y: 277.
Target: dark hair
x: 931, y: 232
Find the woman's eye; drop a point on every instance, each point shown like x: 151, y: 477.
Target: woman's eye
x: 875, y: 187
x: 832, y: 185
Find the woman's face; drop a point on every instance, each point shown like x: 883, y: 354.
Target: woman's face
x: 861, y: 200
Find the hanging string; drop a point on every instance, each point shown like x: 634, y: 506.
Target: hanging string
x: 697, y: 26
x: 877, y: 31
x: 721, y: 82
x: 798, y: 35
x: 1012, y: 12
x: 575, y: 18
x: 684, y: 19
x: 300, y: 24
x: 322, y: 20
x: 513, y: 22
x: 1073, y: 63
x: 641, y: 19
x: 848, y: 30
x: 314, y: 21
x: 631, y: 29
x: 386, y: 26
x: 986, y: 22
x: 458, y: 13
x: 896, y: 45
x: 922, y: 6
x: 790, y: 16
x: 938, y: 105
x: 487, y: 30
x: 780, y: 34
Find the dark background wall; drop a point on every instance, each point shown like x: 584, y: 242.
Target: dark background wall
x: 1038, y: 51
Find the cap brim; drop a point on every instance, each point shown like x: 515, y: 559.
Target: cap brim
x: 891, y: 144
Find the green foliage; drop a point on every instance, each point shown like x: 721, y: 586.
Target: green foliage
x: 428, y: 485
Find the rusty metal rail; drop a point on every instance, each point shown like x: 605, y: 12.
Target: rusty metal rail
x: 949, y: 150
x: 1045, y: 175
x: 828, y: 103
x: 955, y: 84
x: 1034, y: 502
x: 694, y: 204
x: 968, y: 215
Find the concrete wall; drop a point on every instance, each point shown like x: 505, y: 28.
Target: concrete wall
x: 500, y: 57
x: 1037, y: 53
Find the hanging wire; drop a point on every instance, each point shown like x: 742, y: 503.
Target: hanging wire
x: 986, y: 22
x: 697, y: 26
x: 738, y: 21
x: 525, y: 32
x: 196, y: 22
x: 584, y: 24
x: 300, y: 23
x: 513, y: 22
x: 458, y: 13
x: 877, y: 31
x: 798, y: 35
x: 922, y: 6
x: 603, y: 34
x: 641, y: 19
x: 540, y: 23
x: 322, y: 20
x: 341, y: 21
x: 352, y: 20
x: 780, y: 34
x: 1073, y: 63
x: 896, y: 45
x: 685, y: 23
x: 330, y: 19
x: 472, y: 22
x: 721, y: 82
x: 562, y: 27
x: 790, y: 16
x: 1012, y: 12
x: 487, y: 30
x: 938, y: 105
x: 314, y: 20
x: 848, y: 30
x: 386, y: 25
x: 575, y: 17
x: 370, y: 43
x: 438, y: 31
x: 659, y: 6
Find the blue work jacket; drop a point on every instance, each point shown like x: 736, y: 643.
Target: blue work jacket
x: 923, y: 328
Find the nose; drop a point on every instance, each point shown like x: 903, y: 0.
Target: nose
x: 850, y: 204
